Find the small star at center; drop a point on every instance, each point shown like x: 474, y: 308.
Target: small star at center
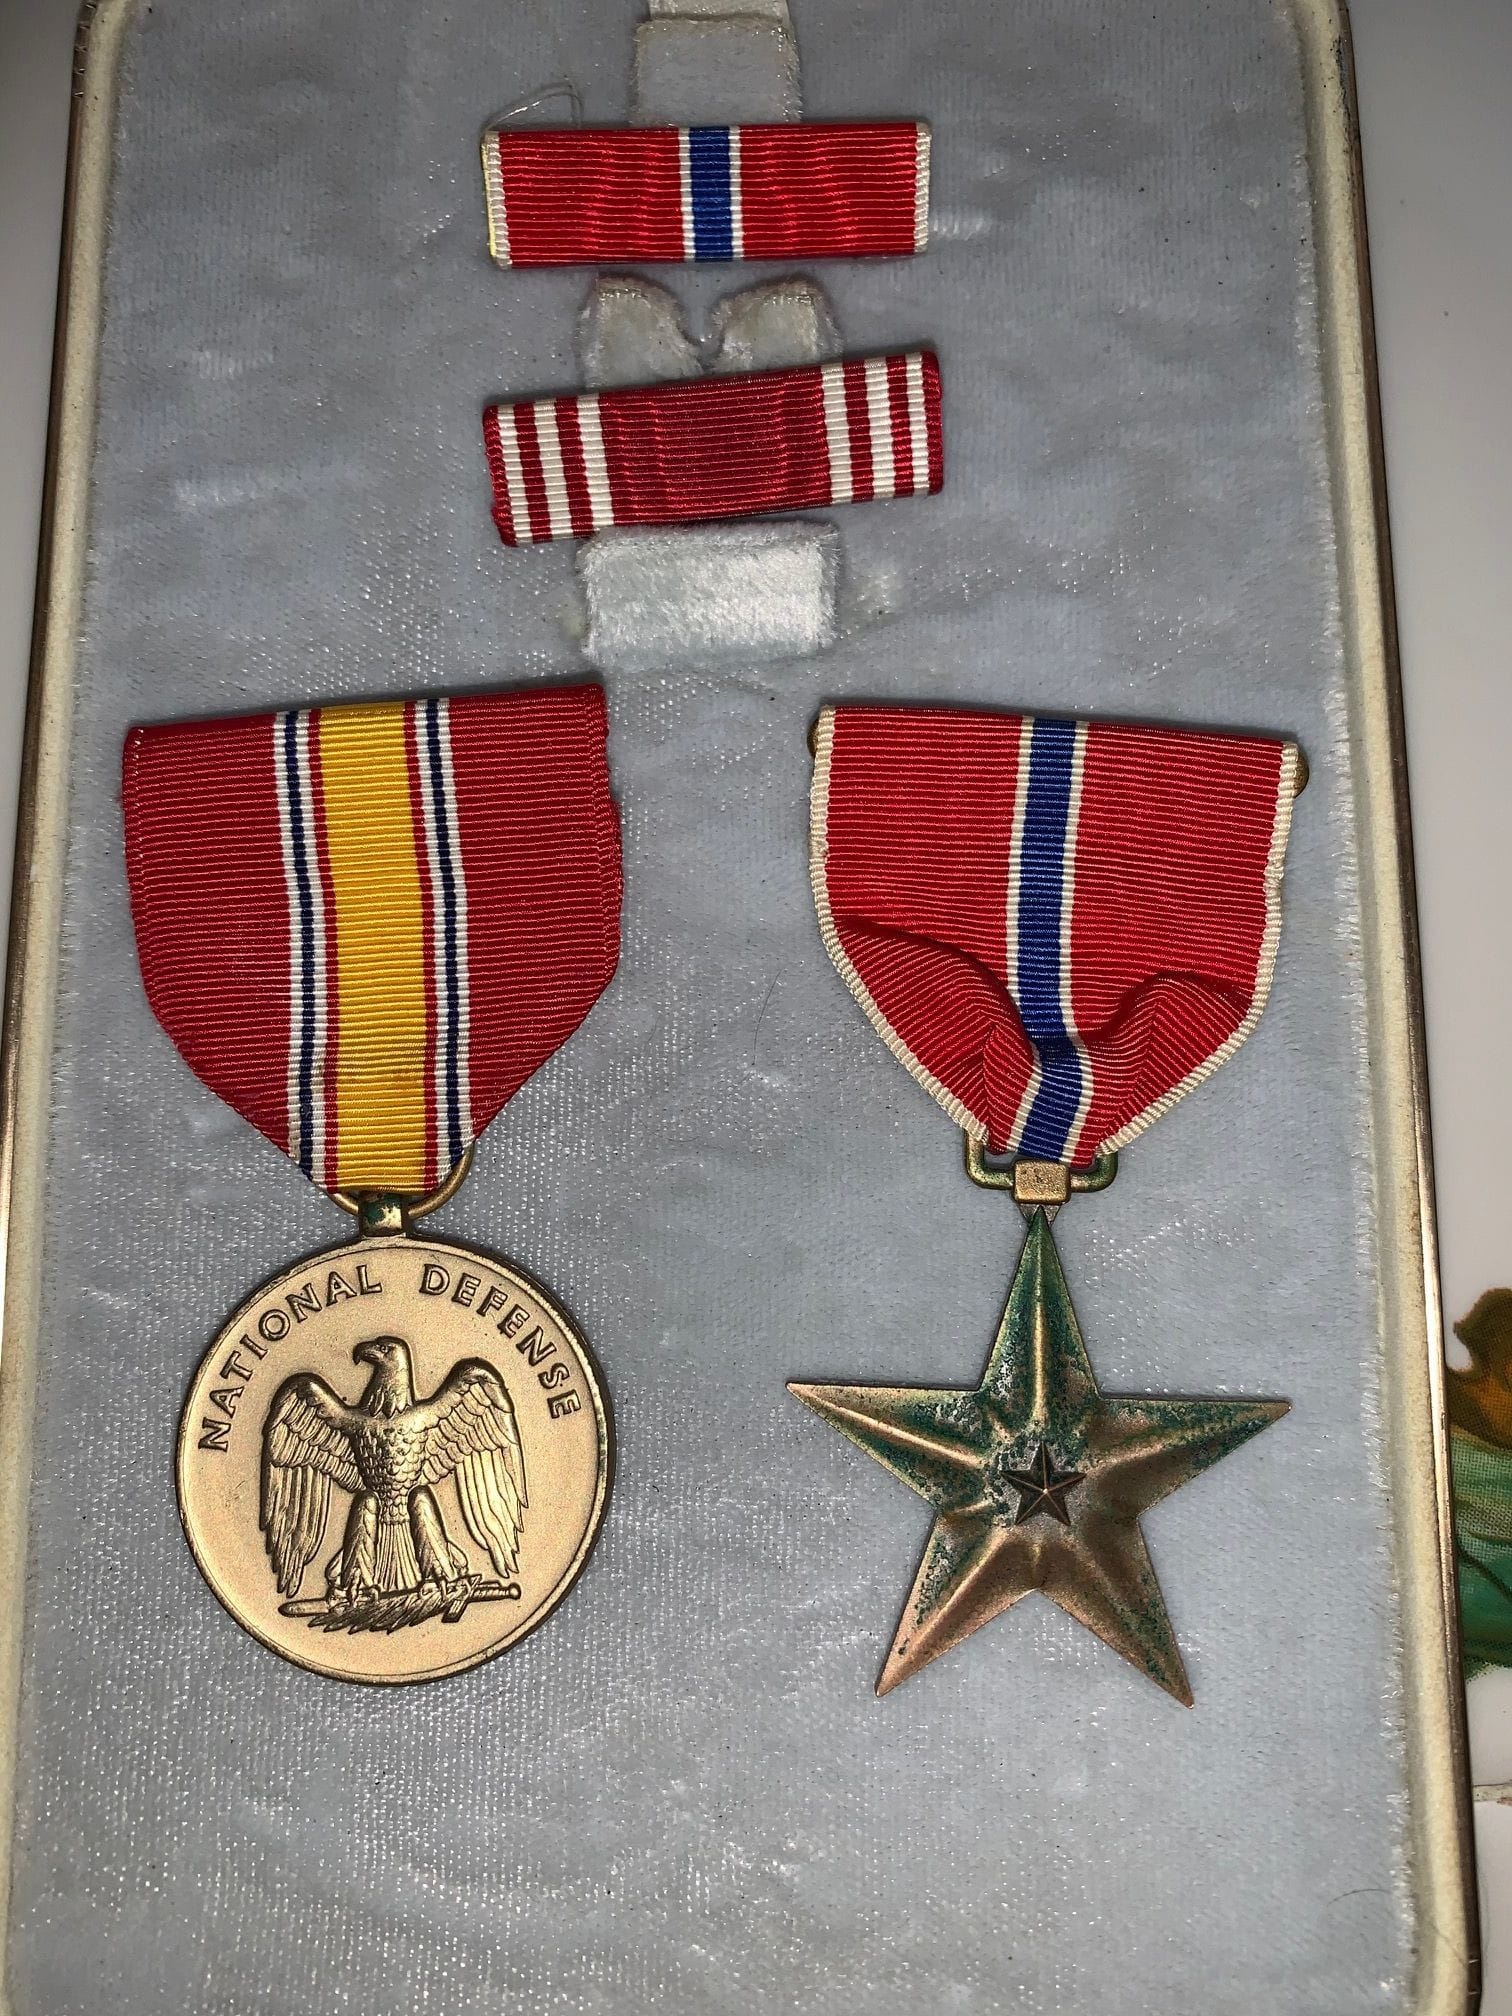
x: 1043, y: 1487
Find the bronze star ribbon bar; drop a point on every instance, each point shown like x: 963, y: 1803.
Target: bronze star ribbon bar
x: 365, y: 927
x: 1060, y: 928
x: 642, y: 195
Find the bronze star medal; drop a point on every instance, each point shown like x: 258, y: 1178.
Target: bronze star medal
x: 1038, y: 1479
x: 1060, y: 928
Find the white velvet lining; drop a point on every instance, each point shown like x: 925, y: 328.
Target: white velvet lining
x: 681, y: 1796
x: 715, y: 67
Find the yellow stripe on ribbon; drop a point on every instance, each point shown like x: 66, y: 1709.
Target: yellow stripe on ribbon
x: 379, y: 965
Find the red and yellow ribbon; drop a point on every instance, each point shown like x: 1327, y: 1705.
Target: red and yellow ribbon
x: 366, y: 926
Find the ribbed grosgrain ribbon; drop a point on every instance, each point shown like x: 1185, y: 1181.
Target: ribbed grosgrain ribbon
x: 716, y: 447
x: 579, y: 196
x: 1060, y: 927
x: 366, y: 926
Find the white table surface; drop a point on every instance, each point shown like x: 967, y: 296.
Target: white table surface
x: 1435, y: 80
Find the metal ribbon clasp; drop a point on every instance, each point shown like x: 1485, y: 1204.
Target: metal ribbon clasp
x: 382, y: 1213
x: 1036, y: 1185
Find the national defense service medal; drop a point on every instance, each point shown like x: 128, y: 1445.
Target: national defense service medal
x: 394, y: 1460
x: 365, y: 927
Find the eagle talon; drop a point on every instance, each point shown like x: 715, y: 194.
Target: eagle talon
x: 458, y: 1595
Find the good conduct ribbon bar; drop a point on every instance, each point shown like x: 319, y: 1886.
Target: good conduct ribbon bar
x: 366, y: 926
x: 716, y: 447
x: 1059, y: 927
x: 637, y: 195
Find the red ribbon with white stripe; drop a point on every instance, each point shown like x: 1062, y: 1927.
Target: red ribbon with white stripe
x: 1059, y: 927
x: 716, y: 447
x: 585, y: 196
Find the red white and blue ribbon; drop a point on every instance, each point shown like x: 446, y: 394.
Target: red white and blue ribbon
x: 583, y: 196
x: 716, y: 447
x: 366, y: 926
x: 1060, y: 927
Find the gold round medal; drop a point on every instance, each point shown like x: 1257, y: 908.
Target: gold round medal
x: 394, y: 1460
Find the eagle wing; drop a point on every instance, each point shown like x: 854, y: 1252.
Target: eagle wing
x: 307, y: 1448
x: 470, y: 1432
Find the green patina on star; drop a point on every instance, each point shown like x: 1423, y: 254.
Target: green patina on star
x: 1038, y: 1437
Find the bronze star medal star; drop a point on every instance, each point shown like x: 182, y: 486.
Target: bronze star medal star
x: 1038, y: 1480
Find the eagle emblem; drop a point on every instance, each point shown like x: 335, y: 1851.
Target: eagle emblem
x: 397, y: 1565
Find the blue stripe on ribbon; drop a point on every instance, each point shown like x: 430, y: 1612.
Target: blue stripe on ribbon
x: 304, y: 950
x: 709, y: 192
x: 453, y: 1030
x: 1042, y: 860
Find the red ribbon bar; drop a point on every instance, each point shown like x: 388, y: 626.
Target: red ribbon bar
x: 366, y: 926
x: 716, y: 447
x: 1059, y: 927
x: 585, y: 196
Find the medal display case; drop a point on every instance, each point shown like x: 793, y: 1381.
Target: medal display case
x: 1160, y: 501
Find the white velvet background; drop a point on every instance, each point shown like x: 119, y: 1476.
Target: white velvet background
x: 682, y: 1795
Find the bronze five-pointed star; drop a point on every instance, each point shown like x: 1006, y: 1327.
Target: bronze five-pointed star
x: 1038, y: 1480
